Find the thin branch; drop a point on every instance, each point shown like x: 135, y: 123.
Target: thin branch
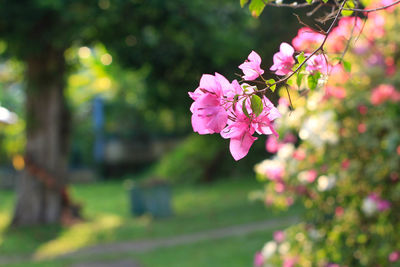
x: 373, y: 9
x: 293, y: 5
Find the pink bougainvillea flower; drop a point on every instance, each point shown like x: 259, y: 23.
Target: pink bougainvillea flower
x: 241, y: 127
x: 318, y: 63
x: 283, y: 60
x: 362, y: 109
x: 394, y: 256
x: 345, y: 164
x: 312, y: 175
x: 339, y: 36
x: 289, y: 262
x: 258, y: 260
x: 383, y: 93
x: 251, y: 67
x: 381, y: 204
x: 209, y: 115
x: 290, y: 138
x: 272, y: 145
x: 279, y: 236
x: 299, y: 154
x: 335, y: 92
x: 307, y: 40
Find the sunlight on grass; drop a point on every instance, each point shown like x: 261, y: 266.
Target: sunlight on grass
x: 78, y: 236
x: 4, y: 221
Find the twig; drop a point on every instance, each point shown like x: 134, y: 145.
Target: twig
x: 373, y: 9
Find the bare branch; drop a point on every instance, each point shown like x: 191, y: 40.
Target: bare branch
x: 373, y: 9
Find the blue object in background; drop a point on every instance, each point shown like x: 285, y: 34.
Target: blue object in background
x: 152, y: 199
x: 98, y: 123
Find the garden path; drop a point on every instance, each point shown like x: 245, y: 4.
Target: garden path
x: 152, y: 244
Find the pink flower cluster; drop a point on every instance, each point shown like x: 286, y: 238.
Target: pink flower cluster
x: 383, y: 93
x: 381, y: 204
x: 226, y: 108
x: 284, y: 61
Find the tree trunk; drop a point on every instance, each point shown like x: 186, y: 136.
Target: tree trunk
x: 40, y: 187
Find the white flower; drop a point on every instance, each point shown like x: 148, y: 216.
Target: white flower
x: 303, y: 177
x: 320, y: 129
x: 284, y: 248
x: 285, y: 152
x: 269, y: 249
x: 326, y: 183
x: 369, y: 206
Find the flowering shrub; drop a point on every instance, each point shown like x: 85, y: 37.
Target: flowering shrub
x: 339, y: 151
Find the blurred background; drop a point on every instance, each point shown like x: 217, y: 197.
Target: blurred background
x: 96, y: 145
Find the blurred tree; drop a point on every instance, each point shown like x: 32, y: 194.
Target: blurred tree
x: 177, y: 40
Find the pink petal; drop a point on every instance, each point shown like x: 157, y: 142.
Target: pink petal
x: 287, y: 49
x: 254, y: 57
x: 239, y: 147
x: 209, y: 83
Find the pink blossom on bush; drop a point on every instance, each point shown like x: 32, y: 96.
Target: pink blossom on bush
x: 390, y: 66
x: 312, y: 175
x: 339, y: 211
x: 280, y: 187
x: 275, y: 172
x: 362, y: 109
x: 318, y: 63
x: 290, y: 138
x: 258, y: 259
x: 335, y: 91
x: 279, y: 236
x: 345, y: 164
x: 384, y: 92
x: 307, y: 40
x: 272, y: 145
x: 289, y: 262
x: 251, y: 67
x: 381, y: 204
x: 347, y: 27
x: 362, y: 128
x: 299, y: 154
x: 394, y: 256
x: 283, y: 60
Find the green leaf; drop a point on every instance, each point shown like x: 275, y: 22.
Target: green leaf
x: 347, y: 13
x: 269, y: 82
x: 325, y: 1
x: 299, y: 79
x: 243, y: 2
x: 309, y: 1
x: 300, y: 57
x: 256, y: 7
x: 256, y: 104
x: 312, y: 81
x: 245, y: 109
x: 346, y: 65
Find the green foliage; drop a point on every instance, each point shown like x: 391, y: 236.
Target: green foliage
x: 256, y: 7
x: 269, y: 82
x: 256, y: 104
x: 192, y: 161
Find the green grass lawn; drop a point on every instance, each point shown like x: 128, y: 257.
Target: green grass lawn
x: 228, y: 252
x: 106, y: 208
